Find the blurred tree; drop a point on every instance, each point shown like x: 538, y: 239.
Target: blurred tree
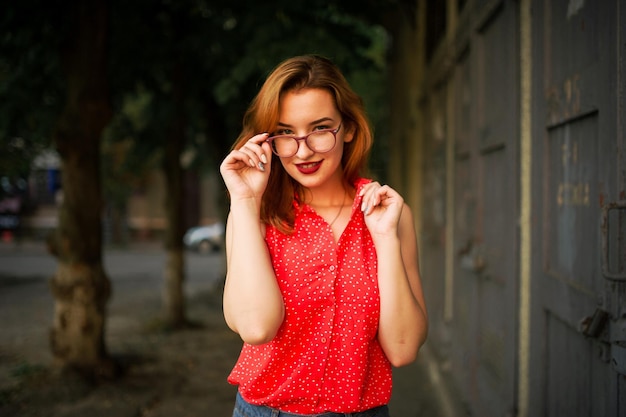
x: 124, y: 169
x: 154, y: 64
x: 31, y: 89
x: 54, y: 85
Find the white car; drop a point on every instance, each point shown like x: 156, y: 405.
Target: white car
x: 205, y: 239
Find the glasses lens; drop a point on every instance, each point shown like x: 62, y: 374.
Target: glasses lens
x: 287, y: 146
x: 322, y: 141
x: 284, y: 146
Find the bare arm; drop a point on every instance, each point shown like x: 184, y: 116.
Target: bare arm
x: 403, y: 319
x: 403, y: 322
x: 253, y: 303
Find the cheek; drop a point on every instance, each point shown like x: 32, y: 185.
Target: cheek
x: 284, y: 162
x: 287, y: 166
x: 339, y: 148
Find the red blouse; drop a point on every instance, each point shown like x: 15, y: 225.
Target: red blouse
x: 326, y: 356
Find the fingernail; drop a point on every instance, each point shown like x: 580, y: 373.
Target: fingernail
x: 262, y: 166
x: 251, y: 162
x: 364, y: 207
x: 264, y: 158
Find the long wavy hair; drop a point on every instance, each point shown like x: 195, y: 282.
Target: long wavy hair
x: 298, y: 73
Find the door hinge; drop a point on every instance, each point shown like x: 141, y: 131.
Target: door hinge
x: 616, y: 270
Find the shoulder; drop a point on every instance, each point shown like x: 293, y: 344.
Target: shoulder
x: 360, y: 181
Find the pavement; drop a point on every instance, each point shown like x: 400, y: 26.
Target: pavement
x: 178, y: 374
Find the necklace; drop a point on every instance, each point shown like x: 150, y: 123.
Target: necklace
x: 345, y: 192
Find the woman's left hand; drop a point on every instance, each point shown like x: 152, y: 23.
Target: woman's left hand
x: 381, y: 206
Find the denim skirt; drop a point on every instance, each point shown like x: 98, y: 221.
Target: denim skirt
x: 245, y: 409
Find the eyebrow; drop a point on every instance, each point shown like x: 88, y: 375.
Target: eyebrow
x: 314, y: 122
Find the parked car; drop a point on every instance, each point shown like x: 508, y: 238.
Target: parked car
x: 205, y: 239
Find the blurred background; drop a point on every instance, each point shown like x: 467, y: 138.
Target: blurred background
x: 500, y: 121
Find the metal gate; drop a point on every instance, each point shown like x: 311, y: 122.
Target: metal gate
x: 486, y: 205
x: 472, y: 179
x: 578, y: 336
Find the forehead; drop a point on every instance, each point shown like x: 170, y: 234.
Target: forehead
x: 305, y: 106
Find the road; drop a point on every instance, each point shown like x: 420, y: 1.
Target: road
x: 136, y: 274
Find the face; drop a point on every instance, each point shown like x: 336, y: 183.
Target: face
x: 302, y: 112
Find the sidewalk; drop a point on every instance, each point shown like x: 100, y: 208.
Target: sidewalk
x: 166, y: 373
x: 181, y: 374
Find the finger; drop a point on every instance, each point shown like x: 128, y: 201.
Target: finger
x: 251, y: 158
x: 256, y: 149
x: 256, y: 140
x: 376, y: 198
x: 267, y: 152
x: 243, y: 156
x: 368, y: 187
x: 370, y: 197
x: 235, y: 159
x: 382, y: 196
x: 266, y: 155
x: 238, y: 160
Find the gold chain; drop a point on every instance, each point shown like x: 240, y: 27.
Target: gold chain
x: 345, y: 193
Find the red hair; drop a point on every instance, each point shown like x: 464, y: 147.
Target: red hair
x: 304, y: 72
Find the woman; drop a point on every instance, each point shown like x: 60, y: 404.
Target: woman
x: 322, y: 278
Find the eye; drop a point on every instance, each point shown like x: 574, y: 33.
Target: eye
x: 283, y: 132
x: 321, y: 127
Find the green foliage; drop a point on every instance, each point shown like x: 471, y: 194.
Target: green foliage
x: 203, y: 58
x: 127, y: 152
x: 31, y: 83
x: 25, y: 369
x: 281, y: 29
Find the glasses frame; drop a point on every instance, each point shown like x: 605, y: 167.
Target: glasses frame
x: 305, y: 138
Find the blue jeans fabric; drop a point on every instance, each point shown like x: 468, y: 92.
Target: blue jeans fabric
x: 245, y: 409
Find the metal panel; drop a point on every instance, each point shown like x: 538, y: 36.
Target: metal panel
x: 572, y: 154
x: 465, y: 298
x: 434, y: 222
x: 486, y: 212
x: 576, y: 175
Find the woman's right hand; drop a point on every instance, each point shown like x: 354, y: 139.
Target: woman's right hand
x: 246, y: 170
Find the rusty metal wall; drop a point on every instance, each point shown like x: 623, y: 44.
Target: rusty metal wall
x: 563, y: 350
x: 581, y: 328
x: 471, y: 205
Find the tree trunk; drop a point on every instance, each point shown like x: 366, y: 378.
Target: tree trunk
x: 173, y: 292
x: 80, y: 285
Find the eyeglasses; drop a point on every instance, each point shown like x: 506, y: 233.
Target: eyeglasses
x: 319, y: 141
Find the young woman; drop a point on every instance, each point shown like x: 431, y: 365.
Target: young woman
x: 322, y: 281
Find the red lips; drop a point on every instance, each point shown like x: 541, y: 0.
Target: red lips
x: 309, y: 167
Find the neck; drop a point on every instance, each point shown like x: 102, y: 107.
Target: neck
x: 328, y: 197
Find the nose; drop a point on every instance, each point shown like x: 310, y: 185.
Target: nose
x: 304, y: 151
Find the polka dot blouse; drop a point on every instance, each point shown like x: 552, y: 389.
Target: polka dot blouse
x: 326, y: 355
